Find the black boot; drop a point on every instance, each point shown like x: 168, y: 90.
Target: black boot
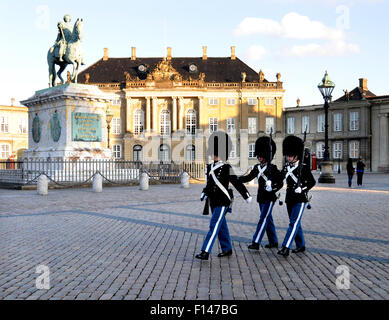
x: 284, y: 251
x: 254, y: 246
x: 203, y: 255
x: 297, y: 250
x: 225, y: 254
x: 271, y: 245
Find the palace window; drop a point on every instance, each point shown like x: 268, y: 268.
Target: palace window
x: 164, y: 153
x: 269, y: 124
x: 3, y: 124
x: 191, y: 122
x: 165, y: 123
x: 270, y: 101
x: 138, y: 122
x: 252, y: 101
x: 231, y: 125
x: 290, y: 125
x: 213, y: 124
x: 231, y: 101
x: 22, y: 125
x: 116, y: 126
x: 137, y: 153
x: 354, y: 121
x: 233, y: 151
x: 320, y: 123
x: 320, y: 150
x: 117, y: 151
x: 4, y: 151
x: 337, y: 150
x: 252, y: 125
x: 190, y: 154
x: 305, y: 124
x: 213, y: 101
x: 354, y: 149
x: 337, y: 122
x: 251, y: 150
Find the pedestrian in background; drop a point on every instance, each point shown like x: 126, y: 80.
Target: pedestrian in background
x: 350, y: 171
x: 360, y: 170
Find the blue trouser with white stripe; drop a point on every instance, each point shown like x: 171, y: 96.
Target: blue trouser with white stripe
x: 266, y: 223
x: 294, y: 232
x: 218, y: 227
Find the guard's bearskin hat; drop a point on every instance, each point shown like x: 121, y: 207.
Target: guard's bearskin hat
x: 220, y: 145
x: 262, y: 148
x: 292, y: 146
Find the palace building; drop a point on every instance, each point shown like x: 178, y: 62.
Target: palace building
x: 164, y: 107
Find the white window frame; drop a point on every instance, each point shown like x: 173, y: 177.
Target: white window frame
x: 233, y: 151
x: 190, y: 122
x: 354, y: 120
x: 117, y: 151
x: 190, y: 152
x: 138, y: 152
x: 270, y: 125
x: 251, y: 150
x: 354, y: 147
x: 213, y: 101
x: 290, y: 125
x: 252, y: 125
x: 138, y: 122
x: 116, y: 126
x: 270, y: 101
x: 4, y: 125
x: 164, y: 123
x: 231, y: 101
x: 213, y: 124
x: 22, y: 125
x: 337, y: 150
x: 252, y: 101
x: 164, y: 155
x: 321, y: 122
x: 338, y: 122
x: 320, y: 150
x: 304, y: 123
x: 5, y: 150
x: 231, y: 125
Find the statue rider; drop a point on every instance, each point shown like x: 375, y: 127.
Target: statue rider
x: 65, y: 31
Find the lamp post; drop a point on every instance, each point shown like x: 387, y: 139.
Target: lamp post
x: 326, y: 86
x: 108, y: 118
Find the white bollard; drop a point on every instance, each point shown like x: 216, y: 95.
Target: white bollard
x: 97, y: 183
x: 42, y: 185
x: 144, y: 181
x: 185, y: 180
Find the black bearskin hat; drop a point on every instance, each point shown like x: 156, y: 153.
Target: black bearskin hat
x: 292, y: 146
x: 220, y: 145
x: 262, y: 148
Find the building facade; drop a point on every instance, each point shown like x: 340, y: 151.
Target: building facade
x: 13, y: 131
x: 165, y: 108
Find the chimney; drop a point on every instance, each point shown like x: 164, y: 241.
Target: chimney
x: 133, y: 53
x: 105, y: 57
x: 12, y: 102
x: 363, y: 83
x: 298, y: 102
x: 169, y: 53
x: 204, y: 52
x: 233, y: 57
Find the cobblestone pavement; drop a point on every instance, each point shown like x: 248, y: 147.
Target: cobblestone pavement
x: 130, y: 244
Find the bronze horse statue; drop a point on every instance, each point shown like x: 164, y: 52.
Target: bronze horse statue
x: 73, y: 55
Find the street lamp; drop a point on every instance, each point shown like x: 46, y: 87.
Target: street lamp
x: 326, y: 86
x: 108, y: 118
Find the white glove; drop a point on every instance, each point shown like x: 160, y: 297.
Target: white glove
x: 249, y: 199
x: 203, y: 196
x: 268, y: 183
x: 269, y: 189
x: 297, y: 190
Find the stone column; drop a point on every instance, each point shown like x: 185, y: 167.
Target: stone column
x: 383, y: 142
x: 128, y: 115
x: 155, y: 115
x: 181, y: 113
x: 148, y: 115
x: 201, y: 112
x: 174, y: 114
x: 244, y: 151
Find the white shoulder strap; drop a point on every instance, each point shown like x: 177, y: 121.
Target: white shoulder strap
x: 221, y: 187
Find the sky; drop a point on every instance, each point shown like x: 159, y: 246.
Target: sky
x: 300, y: 39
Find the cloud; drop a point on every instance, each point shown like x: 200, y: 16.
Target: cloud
x: 292, y: 25
x: 255, y: 53
x: 331, y: 49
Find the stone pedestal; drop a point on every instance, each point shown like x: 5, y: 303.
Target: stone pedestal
x: 326, y: 174
x: 68, y: 122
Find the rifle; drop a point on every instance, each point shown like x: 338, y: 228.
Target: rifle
x: 206, y: 207
x: 301, y: 168
x: 270, y: 154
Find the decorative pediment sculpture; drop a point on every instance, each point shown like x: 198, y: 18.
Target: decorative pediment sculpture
x: 164, y: 71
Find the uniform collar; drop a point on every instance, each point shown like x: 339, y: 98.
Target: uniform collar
x: 293, y: 164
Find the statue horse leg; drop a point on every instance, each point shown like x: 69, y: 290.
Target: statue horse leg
x: 62, y: 67
x: 52, y: 73
x: 76, y: 65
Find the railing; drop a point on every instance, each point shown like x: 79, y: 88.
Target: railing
x: 73, y: 172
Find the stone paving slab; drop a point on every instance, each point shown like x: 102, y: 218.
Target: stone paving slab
x: 130, y: 244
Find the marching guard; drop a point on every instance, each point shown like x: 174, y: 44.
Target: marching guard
x: 269, y: 182
x: 299, y: 180
x: 218, y: 176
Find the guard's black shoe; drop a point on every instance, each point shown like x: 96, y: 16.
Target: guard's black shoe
x: 271, y: 245
x: 203, y: 255
x: 297, y: 250
x: 225, y: 254
x: 284, y: 251
x: 254, y: 246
